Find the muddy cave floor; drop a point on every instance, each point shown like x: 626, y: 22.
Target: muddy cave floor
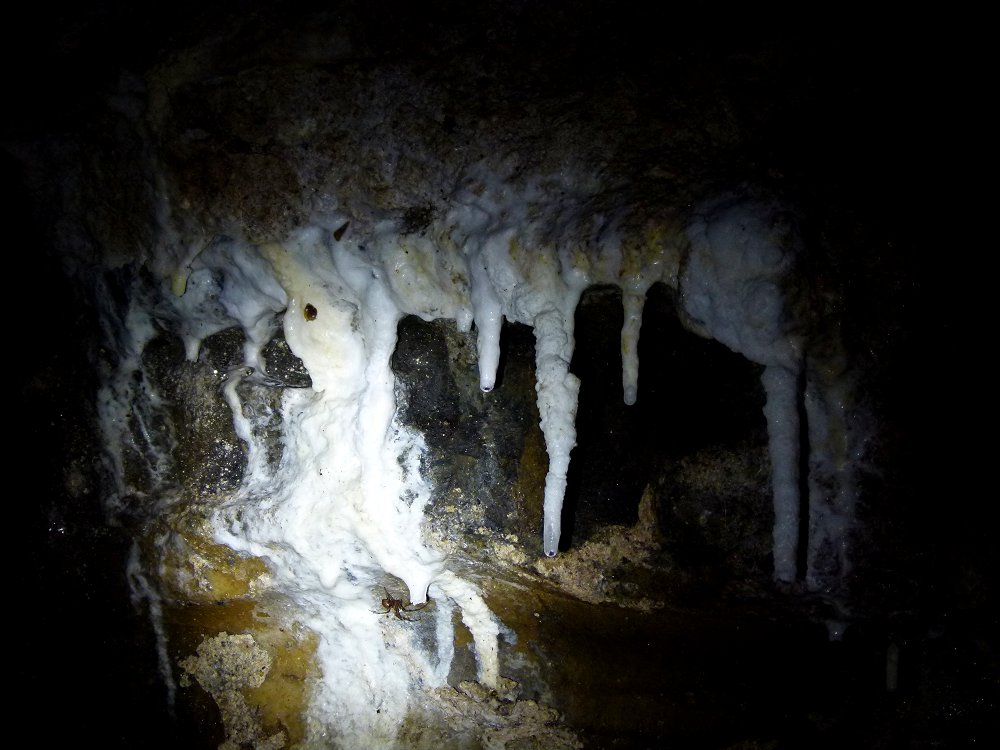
x: 758, y: 669
x: 738, y: 667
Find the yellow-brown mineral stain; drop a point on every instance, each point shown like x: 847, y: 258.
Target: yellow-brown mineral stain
x: 199, y: 570
x: 529, y: 489
x: 281, y: 698
x: 211, y: 593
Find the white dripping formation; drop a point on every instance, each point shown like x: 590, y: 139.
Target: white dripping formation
x: 347, y: 501
x: 485, y: 264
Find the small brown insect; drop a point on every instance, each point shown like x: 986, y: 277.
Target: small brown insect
x: 309, y: 312
x: 395, y: 606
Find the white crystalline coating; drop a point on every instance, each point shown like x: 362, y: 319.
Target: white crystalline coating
x: 256, y: 453
x: 740, y: 257
x: 347, y: 501
x: 251, y: 298
x: 199, y: 312
x: 368, y: 677
x: 444, y: 635
x: 344, y: 451
x: 427, y: 279
x: 480, y: 621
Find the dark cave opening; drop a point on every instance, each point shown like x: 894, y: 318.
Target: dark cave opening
x: 695, y: 396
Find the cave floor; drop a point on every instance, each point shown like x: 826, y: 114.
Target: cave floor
x: 755, y: 674
x: 721, y: 672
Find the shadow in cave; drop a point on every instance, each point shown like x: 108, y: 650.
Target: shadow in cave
x: 694, y: 394
x: 85, y: 657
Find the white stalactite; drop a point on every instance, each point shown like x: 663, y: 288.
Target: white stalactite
x: 782, y: 413
x: 633, y: 301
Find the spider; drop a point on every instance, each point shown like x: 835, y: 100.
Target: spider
x: 396, y: 606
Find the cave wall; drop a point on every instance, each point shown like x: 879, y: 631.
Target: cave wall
x: 262, y: 126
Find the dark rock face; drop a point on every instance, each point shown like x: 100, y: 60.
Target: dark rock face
x: 198, y: 425
x: 694, y: 395
x: 211, y: 124
x: 696, y: 434
x: 477, y: 442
